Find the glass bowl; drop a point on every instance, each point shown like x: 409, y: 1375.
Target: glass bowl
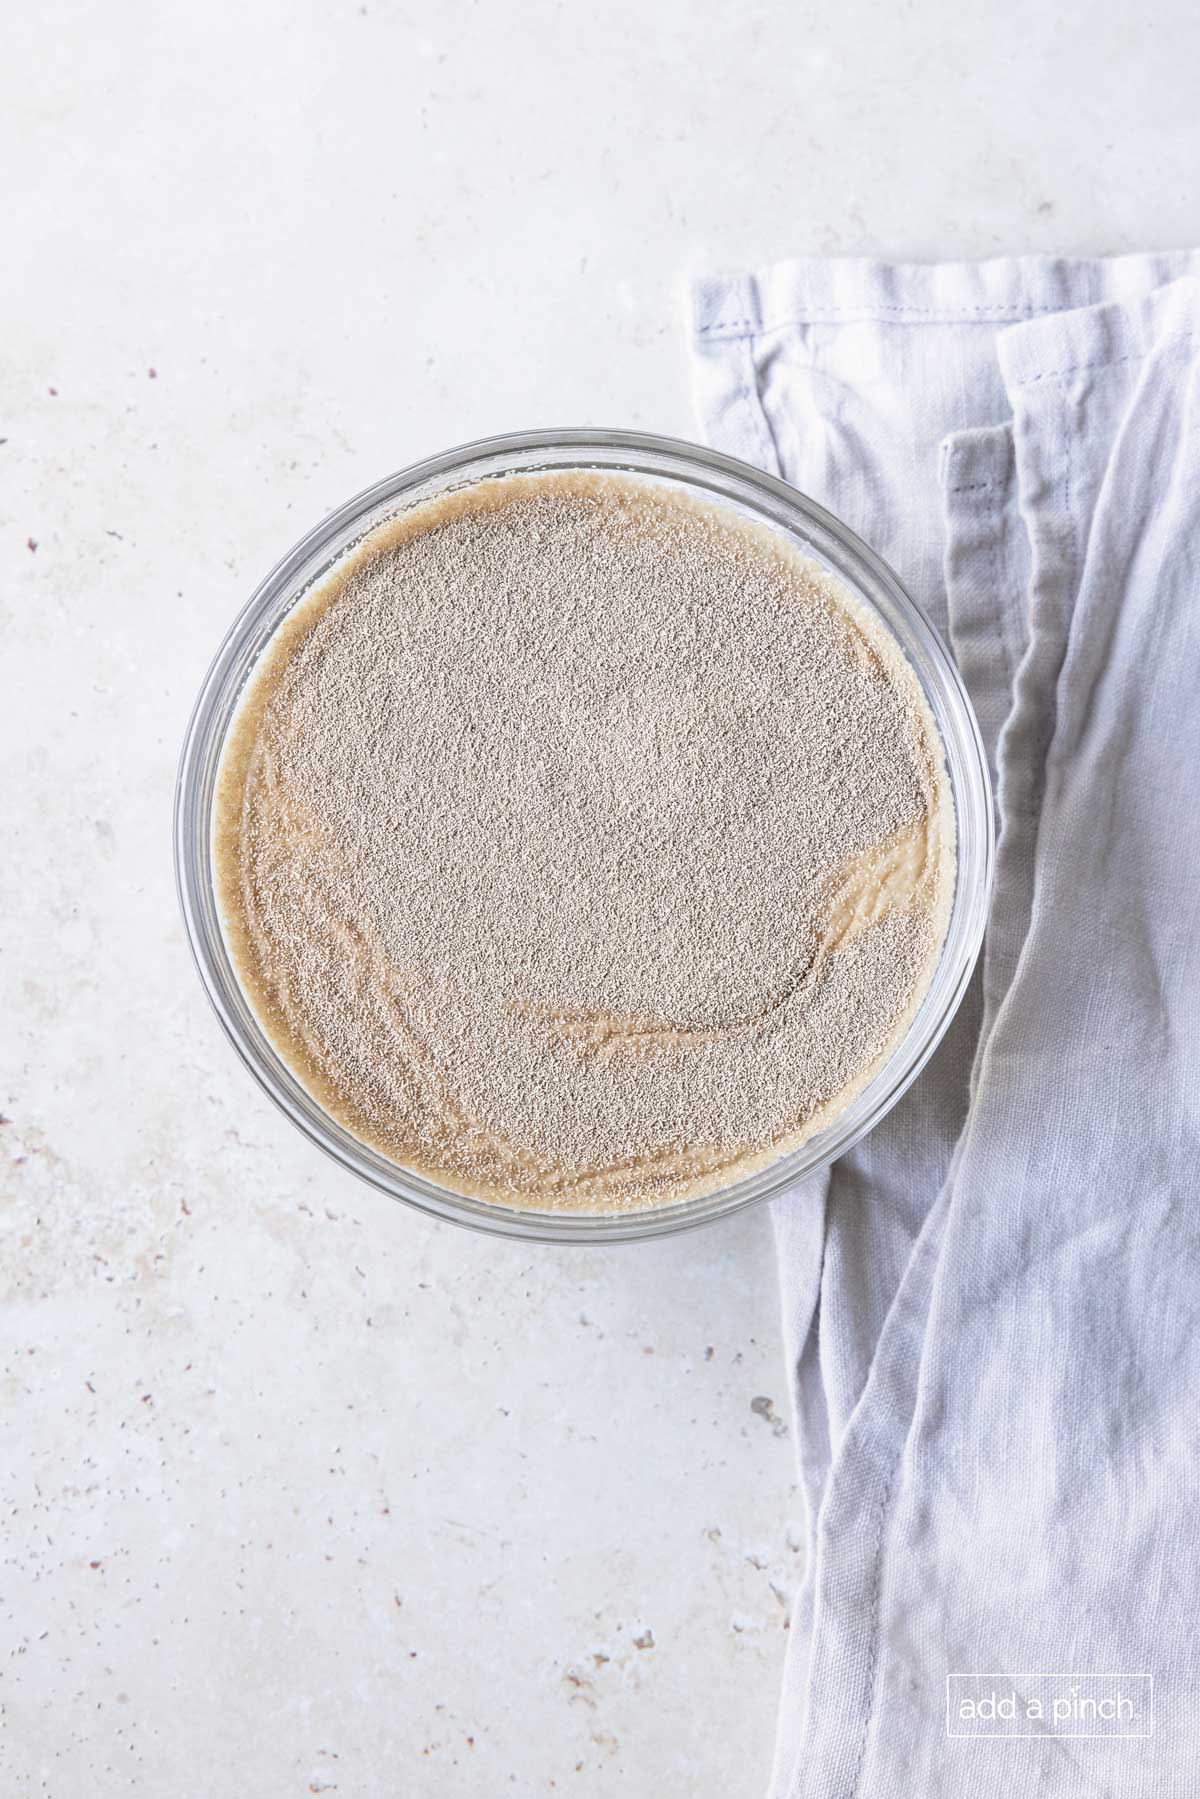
x: 708, y: 475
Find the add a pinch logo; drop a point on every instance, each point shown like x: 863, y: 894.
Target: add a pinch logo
x: 1054, y: 1705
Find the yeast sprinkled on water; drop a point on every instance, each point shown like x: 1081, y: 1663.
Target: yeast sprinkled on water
x: 582, y: 845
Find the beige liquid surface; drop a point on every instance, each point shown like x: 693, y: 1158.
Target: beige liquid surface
x: 581, y: 846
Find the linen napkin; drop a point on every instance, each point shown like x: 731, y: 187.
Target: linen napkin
x: 991, y: 1305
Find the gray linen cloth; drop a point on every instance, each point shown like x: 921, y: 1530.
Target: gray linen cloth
x: 992, y: 1305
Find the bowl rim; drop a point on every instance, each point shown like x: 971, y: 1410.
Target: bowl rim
x: 820, y: 535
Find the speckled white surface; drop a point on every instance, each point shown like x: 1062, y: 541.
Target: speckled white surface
x: 300, y: 1492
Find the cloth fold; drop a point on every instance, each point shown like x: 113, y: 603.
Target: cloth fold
x: 990, y: 1305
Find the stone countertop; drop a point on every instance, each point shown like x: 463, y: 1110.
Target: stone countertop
x: 302, y: 1492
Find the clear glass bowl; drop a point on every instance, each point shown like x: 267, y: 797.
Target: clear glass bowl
x: 711, y: 476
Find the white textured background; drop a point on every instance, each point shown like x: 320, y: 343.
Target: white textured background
x: 299, y: 1492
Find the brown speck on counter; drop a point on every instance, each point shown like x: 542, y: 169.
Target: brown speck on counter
x: 53, y: 392
x: 645, y: 1641
x: 31, y: 543
x: 764, y: 1408
x: 153, y: 374
x: 708, y: 1354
